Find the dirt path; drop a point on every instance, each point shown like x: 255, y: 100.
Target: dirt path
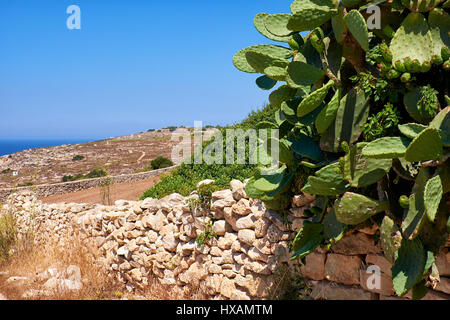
x: 121, y: 191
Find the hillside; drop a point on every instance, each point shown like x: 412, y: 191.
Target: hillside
x: 119, y: 155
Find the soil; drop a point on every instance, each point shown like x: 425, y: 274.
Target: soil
x: 121, y: 191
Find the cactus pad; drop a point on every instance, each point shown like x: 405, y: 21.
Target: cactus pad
x: 358, y: 28
x: 353, y: 208
x: 310, y: 14
x: 351, y: 116
x: 387, y: 148
x: 301, y: 74
x: 407, y: 270
x: 240, y: 60
x: 412, y: 40
x: 426, y: 146
x: 314, y: 100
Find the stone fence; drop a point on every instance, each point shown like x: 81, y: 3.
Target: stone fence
x: 244, y: 253
x: 46, y: 190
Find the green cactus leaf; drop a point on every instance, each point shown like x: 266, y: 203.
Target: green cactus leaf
x: 432, y: 196
x: 419, y: 96
x: 260, y: 25
x: 408, y: 269
x: 310, y: 14
x: 411, y: 130
x: 313, y: 100
x: 251, y: 190
x: 327, y: 181
x: 278, y: 203
x: 351, y: 116
x: 240, y: 60
x: 358, y: 28
x: 442, y: 123
x: 414, y: 219
x: 439, y: 22
x: 444, y: 174
x: 351, y: 3
x: 278, y: 96
x: 333, y: 230
x: 412, y: 40
x: 276, y: 73
x: 266, y: 125
x: 265, y: 83
x: 387, y: 148
x: 306, y: 147
x: 276, y: 24
x: 339, y: 25
x: 353, y: 208
x: 260, y: 61
x: 371, y: 3
x: 426, y: 146
x: 328, y: 114
x: 307, y: 240
x: 391, y: 238
x: 419, y: 290
x: 270, y: 180
x: 364, y: 171
x: 302, y: 74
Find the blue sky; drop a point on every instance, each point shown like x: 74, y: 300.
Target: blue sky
x: 134, y: 65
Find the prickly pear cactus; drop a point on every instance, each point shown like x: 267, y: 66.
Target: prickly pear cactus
x: 364, y: 124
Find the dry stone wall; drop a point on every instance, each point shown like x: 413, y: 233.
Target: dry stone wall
x: 137, y: 241
x: 46, y: 190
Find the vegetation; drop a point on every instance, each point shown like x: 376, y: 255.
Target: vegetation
x: 25, y: 184
x: 8, y: 235
x: 161, y: 163
x: 96, y: 173
x: 77, y: 158
x: 184, y: 179
x: 6, y: 171
x: 363, y: 126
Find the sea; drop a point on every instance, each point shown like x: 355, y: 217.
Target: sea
x: 13, y: 146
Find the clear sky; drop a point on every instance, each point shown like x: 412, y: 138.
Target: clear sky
x: 133, y: 66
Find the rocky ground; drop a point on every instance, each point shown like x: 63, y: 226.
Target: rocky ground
x: 120, y: 155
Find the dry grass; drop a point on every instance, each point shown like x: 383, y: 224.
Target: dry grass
x: 98, y: 284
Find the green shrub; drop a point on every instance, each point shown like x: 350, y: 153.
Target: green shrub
x: 161, y: 163
x: 184, y: 179
x: 97, y: 173
x: 6, y: 171
x: 77, y: 158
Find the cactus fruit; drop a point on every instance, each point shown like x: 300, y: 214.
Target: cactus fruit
x: 406, y: 77
x: 316, y: 37
x: 296, y: 41
x: 420, y: 5
x: 404, y: 202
